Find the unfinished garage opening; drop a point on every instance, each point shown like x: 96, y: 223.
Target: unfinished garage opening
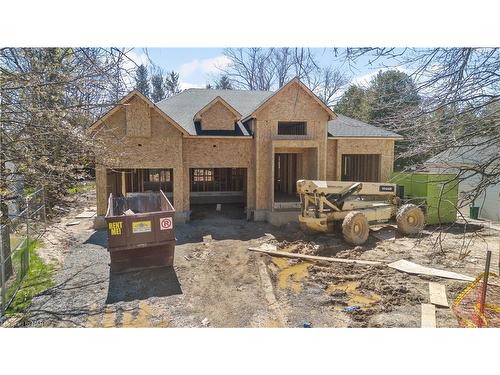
x: 210, y: 187
x: 286, y: 172
x: 121, y: 182
x: 361, y: 167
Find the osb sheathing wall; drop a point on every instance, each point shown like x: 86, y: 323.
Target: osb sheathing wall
x: 217, y: 117
x: 220, y: 153
x: 331, y: 160
x: 162, y: 149
x: 293, y: 103
x: 384, y: 147
x: 138, y: 118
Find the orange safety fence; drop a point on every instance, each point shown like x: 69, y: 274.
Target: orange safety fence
x: 467, y: 305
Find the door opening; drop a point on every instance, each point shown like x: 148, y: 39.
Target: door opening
x: 285, y: 177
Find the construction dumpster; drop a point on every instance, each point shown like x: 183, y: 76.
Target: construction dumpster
x: 140, y: 231
x: 437, y: 193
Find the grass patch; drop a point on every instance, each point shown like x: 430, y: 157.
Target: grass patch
x: 88, y: 186
x: 38, y: 279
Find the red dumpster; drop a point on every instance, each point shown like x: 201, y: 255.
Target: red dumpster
x: 140, y: 231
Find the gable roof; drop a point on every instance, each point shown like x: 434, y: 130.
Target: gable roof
x: 346, y: 127
x: 184, y: 106
x: 181, y: 110
x: 125, y: 100
x: 218, y: 99
x: 304, y: 87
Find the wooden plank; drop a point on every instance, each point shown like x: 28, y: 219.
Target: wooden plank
x: 413, y: 268
x: 268, y: 249
x: 437, y: 294
x: 428, y: 316
x: 85, y: 215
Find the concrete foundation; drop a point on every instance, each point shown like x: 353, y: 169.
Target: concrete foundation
x: 283, y: 217
x: 260, y: 215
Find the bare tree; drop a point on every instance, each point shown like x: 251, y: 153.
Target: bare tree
x: 48, y: 97
x: 283, y: 62
x: 250, y: 68
x: 326, y: 83
x: 272, y: 68
x: 459, y: 113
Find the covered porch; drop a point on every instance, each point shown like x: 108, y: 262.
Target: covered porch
x: 290, y: 164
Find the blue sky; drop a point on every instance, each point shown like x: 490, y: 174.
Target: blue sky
x: 197, y: 66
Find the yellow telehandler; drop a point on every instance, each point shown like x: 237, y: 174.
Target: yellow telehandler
x: 324, y: 204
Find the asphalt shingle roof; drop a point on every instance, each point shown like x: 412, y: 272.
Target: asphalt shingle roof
x: 477, y: 152
x: 343, y: 126
x: 182, y: 107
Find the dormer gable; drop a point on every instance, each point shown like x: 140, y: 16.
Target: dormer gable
x: 217, y: 115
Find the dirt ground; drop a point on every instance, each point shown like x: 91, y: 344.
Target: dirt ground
x: 218, y: 282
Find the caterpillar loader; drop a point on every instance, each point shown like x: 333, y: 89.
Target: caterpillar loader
x: 326, y: 204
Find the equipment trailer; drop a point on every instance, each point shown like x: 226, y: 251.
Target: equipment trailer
x: 355, y: 204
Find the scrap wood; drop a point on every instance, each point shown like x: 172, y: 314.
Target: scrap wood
x: 85, y: 215
x: 437, y: 294
x: 428, y: 319
x: 271, y: 250
x: 413, y: 268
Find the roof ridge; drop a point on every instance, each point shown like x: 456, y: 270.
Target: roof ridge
x: 173, y: 96
x: 240, y: 90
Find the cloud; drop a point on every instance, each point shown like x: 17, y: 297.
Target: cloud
x: 186, y: 85
x: 204, y: 66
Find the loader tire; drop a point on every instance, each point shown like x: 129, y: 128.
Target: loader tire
x: 355, y: 228
x: 410, y: 219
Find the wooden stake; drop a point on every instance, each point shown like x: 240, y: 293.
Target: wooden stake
x: 313, y: 257
x: 485, y: 281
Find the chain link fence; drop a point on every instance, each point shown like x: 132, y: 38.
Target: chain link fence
x: 17, y: 236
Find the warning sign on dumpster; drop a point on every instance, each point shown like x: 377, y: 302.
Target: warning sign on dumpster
x: 141, y: 226
x: 165, y: 223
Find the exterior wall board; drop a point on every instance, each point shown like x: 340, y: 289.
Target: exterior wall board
x: 163, y: 149
x: 293, y: 103
x: 219, y: 153
x: 217, y: 117
x: 138, y: 118
x: 137, y: 136
x: 331, y: 160
x: 384, y: 147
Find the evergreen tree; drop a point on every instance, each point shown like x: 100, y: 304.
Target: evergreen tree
x: 142, y: 80
x: 158, y: 84
x: 354, y: 103
x: 172, y: 86
x: 390, y: 93
x: 223, y: 83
